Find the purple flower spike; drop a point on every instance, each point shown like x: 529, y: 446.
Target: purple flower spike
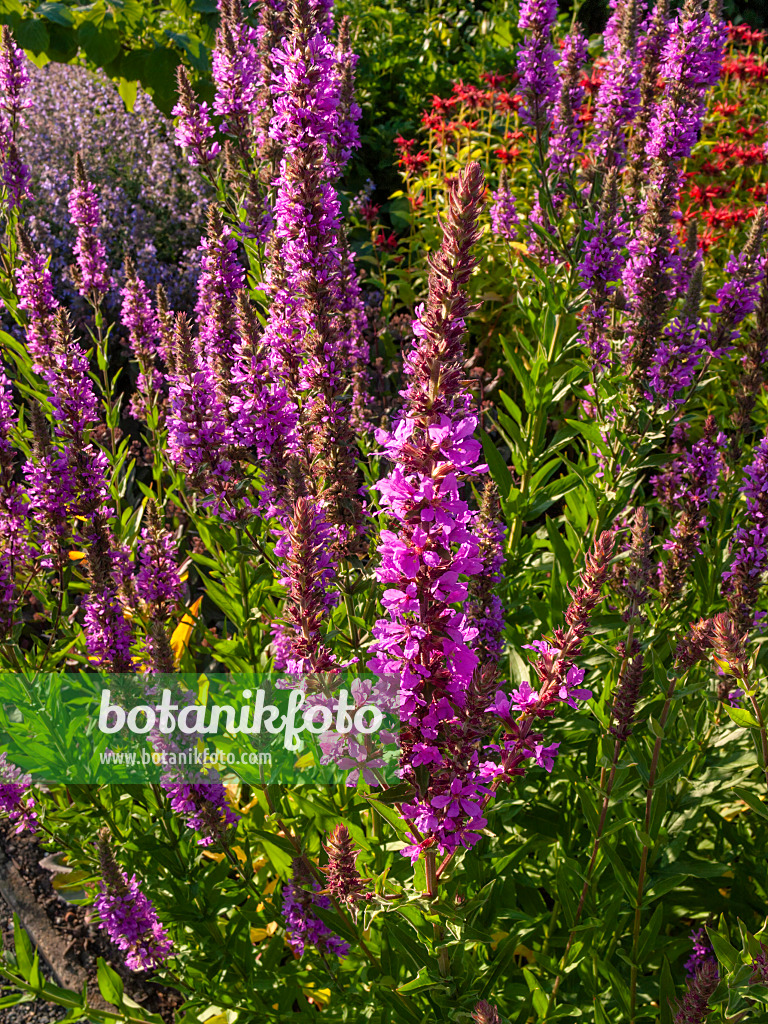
x: 536, y: 61
x: 302, y: 926
x: 15, y: 800
x: 128, y: 917
x: 93, y: 279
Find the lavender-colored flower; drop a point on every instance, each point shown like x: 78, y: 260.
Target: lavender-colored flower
x: 15, y: 799
x: 748, y: 550
x: 152, y: 201
x: 203, y: 805
x: 93, y: 276
x: 128, y: 916
x: 536, y: 61
x: 302, y: 926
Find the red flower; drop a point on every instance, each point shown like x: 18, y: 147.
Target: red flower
x: 387, y: 243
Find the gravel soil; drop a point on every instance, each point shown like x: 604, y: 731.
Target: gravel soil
x: 84, y: 942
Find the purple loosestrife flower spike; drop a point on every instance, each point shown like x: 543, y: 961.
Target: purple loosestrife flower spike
x: 343, y: 880
x: 558, y: 678
x: 650, y: 46
x: 565, y: 135
x: 640, y: 571
x: 92, y: 275
x: 731, y: 652
x: 35, y: 290
x: 426, y: 644
x: 748, y: 550
x: 619, y: 95
x: 694, y: 1006
x: 14, y: 79
x: 303, y: 928
x: 15, y: 801
x: 140, y: 319
x: 304, y: 546
x: 687, y: 486
x: 199, y: 438
x: 625, y: 698
x: 203, y: 805
x: 128, y: 917
x: 49, y: 488
x: 754, y: 367
x: 222, y: 276
x: 194, y: 131
x: 14, y: 549
x: 690, y: 65
x: 679, y: 355
x: 263, y: 415
x: 314, y: 332
x: 536, y: 61
x: 235, y: 73
x: 158, y: 583
x: 739, y: 295
x: 695, y: 644
x: 504, y: 217
x: 347, y: 134
x: 600, y: 268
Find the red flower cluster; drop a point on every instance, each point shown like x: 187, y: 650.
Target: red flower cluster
x: 745, y: 67
x: 745, y: 35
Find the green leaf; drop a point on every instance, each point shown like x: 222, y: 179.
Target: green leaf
x: 110, y: 983
x: 498, y: 467
x: 742, y: 717
x: 101, y: 43
x: 724, y: 951
x: 58, y: 13
x: 422, y: 980
x: 666, y: 993
x: 24, y: 952
x: 753, y: 800
x: 31, y: 34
